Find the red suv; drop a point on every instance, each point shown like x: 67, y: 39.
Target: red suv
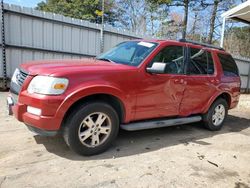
x: 136, y: 85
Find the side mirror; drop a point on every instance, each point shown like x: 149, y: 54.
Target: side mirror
x: 157, y: 68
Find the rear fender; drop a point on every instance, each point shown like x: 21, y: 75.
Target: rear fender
x: 211, y: 101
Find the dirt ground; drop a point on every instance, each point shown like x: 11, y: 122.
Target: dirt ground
x: 181, y: 156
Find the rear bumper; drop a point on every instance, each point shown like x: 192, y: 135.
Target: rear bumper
x: 233, y: 104
x: 234, y: 101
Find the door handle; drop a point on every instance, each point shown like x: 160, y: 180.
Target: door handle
x: 214, y: 81
x: 176, y: 81
x: 180, y: 81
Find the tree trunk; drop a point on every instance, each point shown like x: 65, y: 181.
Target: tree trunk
x: 144, y: 25
x: 212, y: 21
x: 185, y: 20
x: 193, y: 30
x: 152, y: 24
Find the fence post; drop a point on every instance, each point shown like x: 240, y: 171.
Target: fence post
x: 102, y: 29
x: 3, y: 48
x: 248, y: 79
x: 222, y: 32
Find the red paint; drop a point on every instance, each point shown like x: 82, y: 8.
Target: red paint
x: 143, y: 95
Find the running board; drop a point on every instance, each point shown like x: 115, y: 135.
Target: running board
x: 159, y: 123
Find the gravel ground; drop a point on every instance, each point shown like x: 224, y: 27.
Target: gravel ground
x: 181, y: 156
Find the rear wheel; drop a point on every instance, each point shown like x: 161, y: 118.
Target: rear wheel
x: 216, y: 115
x: 91, y: 128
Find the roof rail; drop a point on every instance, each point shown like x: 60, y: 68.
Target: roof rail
x: 201, y: 44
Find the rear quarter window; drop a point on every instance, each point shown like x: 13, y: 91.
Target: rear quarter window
x: 228, y: 65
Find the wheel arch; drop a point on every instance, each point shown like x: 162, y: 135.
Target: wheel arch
x: 112, y: 100
x: 223, y: 95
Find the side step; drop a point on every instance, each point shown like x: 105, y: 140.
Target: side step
x: 159, y: 123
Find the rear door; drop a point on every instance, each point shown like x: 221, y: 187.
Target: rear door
x: 201, y: 81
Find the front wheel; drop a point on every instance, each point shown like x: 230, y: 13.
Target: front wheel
x: 91, y: 128
x: 216, y: 115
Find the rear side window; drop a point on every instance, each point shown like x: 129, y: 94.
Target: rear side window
x: 200, y: 62
x: 228, y: 65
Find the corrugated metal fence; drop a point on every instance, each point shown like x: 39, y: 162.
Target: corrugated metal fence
x: 31, y: 34
x: 244, y: 69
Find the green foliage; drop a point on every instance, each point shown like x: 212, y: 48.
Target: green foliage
x: 81, y: 9
x: 159, y: 2
x: 237, y: 41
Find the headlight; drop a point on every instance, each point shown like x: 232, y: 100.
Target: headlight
x: 48, y: 85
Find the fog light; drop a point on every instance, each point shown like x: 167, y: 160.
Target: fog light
x: 35, y: 111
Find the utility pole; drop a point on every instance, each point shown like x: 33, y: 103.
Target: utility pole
x: 102, y: 29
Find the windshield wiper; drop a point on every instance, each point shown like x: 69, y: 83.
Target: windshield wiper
x: 105, y: 59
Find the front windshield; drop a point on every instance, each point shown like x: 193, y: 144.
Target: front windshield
x: 129, y: 53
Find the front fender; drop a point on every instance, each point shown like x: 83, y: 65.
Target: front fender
x: 81, y: 92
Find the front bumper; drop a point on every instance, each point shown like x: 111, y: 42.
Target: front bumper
x: 47, y: 121
x: 41, y: 132
x: 46, y: 125
x: 10, y: 103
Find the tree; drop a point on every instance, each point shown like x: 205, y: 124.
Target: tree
x: 215, y: 5
x: 81, y: 9
x: 212, y: 22
x: 185, y: 20
x: 237, y: 41
x: 195, y: 32
x: 131, y: 15
x: 186, y: 4
x: 157, y: 14
x: 140, y: 16
x: 172, y: 27
x: 216, y: 8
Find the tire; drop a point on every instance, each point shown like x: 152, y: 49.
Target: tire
x: 212, y: 120
x: 86, y: 123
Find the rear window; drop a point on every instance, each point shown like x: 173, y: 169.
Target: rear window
x: 228, y: 65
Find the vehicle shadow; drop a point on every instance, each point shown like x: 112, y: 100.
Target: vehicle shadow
x: 138, y: 142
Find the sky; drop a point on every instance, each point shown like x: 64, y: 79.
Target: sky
x: 24, y: 3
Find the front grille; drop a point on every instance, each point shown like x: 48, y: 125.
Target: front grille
x: 17, y: 81
x: 21, y: 77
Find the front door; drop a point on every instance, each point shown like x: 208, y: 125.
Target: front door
x: 160, y: 95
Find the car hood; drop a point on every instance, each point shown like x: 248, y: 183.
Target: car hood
x: 61, y: 67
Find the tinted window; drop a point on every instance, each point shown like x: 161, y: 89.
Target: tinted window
x: 173, y: 56
x: 228, y: 65
x: 200, y: 62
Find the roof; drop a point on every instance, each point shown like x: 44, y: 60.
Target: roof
x: 240, y: 13
x: 201, y: 44
x: 183, y: 41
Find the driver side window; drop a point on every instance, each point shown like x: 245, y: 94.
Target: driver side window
x: 173, y: 56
